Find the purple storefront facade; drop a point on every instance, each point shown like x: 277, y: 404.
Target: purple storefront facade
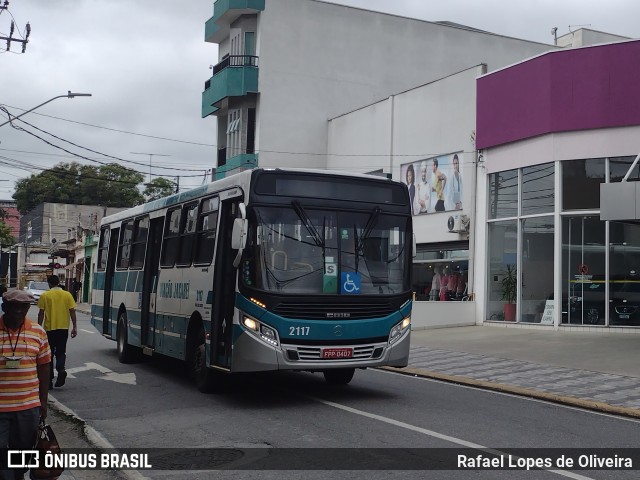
x: 550, y: 131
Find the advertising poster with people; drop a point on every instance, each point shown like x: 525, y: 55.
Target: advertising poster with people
x: 434, y: 184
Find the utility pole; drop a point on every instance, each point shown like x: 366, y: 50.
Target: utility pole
x: 11, y: 38
x: 151, y: 155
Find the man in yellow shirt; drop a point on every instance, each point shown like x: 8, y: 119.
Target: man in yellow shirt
x: 56, y: 307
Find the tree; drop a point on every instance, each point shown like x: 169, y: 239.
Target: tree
x: 5, y: 235
x: 157, y: 188
x: 110, y: 185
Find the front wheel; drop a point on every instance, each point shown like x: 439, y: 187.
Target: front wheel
x: 205, y: 379
x: 339, y: 376
x: 126, y: 353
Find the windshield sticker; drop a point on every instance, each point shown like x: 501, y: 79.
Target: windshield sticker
x: 350, y: 283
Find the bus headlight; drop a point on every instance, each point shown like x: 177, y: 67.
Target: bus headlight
x: 398, y: 329
x: 250, y: 323
x: 260, y: 330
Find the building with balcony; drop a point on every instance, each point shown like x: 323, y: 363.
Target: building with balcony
x: 287, y: 66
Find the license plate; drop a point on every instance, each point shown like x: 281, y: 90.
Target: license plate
x: 624, y: 316
x: 334, y: 353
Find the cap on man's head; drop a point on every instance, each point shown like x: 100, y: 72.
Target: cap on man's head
x: 17, y: 296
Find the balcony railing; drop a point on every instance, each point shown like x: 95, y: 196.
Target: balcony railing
x: 234, y: 76
x: 233, y: 61
x: 236, y: 61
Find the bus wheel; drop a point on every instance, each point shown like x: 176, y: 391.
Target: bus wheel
x: 204, y: 378
x: 339, y: 376
x: 126, y: 353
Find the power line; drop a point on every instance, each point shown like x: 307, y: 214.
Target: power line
x: 121, y: 131
x: 87, y: 158
x: 84, y: 148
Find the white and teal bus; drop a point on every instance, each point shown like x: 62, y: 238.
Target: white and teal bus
x: 263, y: 270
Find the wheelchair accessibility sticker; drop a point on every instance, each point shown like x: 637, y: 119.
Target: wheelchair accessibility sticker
x: 350, y: 283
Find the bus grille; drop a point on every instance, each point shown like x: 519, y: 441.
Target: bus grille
x: 333, y: 311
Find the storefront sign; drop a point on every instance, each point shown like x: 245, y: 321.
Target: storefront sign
x: 547, y: 316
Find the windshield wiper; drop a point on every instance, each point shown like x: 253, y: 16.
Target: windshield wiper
x: 302, y: 214
x: 368, y: 228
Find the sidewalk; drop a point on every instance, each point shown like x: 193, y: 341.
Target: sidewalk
x: 597, y: 370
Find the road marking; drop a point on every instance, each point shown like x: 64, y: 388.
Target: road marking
x: 107, y: 374
x: 86, y: 331
x: 432, y: 433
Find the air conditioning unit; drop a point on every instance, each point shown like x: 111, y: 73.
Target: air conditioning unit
x: 453, y: 224
x: 458, y: 223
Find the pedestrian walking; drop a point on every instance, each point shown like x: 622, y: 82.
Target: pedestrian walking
x: 24, y: 377
x: 56, y: 308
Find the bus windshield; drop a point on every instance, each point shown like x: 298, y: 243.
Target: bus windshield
x: 301, y: 250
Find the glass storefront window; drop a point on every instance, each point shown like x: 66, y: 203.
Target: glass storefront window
x: 619, y: 166
x: 538, y: 187
x: 583, y: 270
x: 503, y: 194
x: 537, y: 267
x: 441, y: 274
x: 624, y: 274
x: 503, y: 251
x: 581, y: 181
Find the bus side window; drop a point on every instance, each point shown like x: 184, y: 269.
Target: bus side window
x: 206, y: 236
x: 188, y: 235
x: 103, y: 249
x: 139, y: 244
x: 124, y: 246
x: 171, y: 238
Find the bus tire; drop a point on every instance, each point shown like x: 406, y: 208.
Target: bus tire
x: 205, y: 379
x: 126, y: 352
x: 339, y: 376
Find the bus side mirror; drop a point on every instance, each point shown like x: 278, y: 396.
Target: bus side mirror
x: 415, y: 246
x: 239, y: 234
x: 239, y: 238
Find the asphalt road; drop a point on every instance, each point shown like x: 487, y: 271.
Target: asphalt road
x: 153, y: 405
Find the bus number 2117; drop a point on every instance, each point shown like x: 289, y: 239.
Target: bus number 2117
x: 298, y: 331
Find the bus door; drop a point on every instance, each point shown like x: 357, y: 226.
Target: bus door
x: 108, y: 281
x: 224, y: 288
x: 150, y: 283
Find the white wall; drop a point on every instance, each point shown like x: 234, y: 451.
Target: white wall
x: 583, y: 37
x: 437, y: 118
x: 442, y: 314
x: 604, y: 142
x: 320, y: 60
x: 361, y: 141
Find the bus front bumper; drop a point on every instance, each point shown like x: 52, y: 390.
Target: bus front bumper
x: 250, y: 354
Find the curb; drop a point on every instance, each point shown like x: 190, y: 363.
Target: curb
x: 92, y: 436
x: 521, y: 391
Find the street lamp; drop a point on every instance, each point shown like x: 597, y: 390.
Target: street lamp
x: 69, y: 94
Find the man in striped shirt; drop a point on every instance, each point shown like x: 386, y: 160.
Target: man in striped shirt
x: 24, y: 377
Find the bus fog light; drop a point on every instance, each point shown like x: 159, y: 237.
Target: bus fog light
x: 250, y: 323
x: 269, y: 335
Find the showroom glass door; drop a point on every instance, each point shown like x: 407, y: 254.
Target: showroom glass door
x: 583, y: 270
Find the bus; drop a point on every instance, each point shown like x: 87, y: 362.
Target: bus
x: 268, y: 269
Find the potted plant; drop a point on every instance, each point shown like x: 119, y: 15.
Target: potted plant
x: 510, y: 292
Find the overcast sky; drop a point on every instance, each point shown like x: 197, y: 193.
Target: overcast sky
x: 145, y: 63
